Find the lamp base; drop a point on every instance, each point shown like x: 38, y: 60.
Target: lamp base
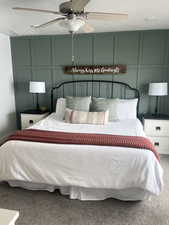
x: 37, y: 102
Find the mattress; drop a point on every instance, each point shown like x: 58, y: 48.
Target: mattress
x: 83, y: 172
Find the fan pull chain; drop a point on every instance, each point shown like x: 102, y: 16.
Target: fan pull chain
x: 73, y: 57
x: 73, y: 63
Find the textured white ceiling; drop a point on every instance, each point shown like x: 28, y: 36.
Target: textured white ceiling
x: 18, y: 23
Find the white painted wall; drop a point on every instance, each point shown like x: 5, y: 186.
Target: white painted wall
x: 7, y: 100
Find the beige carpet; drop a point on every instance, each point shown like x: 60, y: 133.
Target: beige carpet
x: 43, y: 208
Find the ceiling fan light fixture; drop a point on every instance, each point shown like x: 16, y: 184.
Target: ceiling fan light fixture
x: 73, y: 25
x: 73, y: 16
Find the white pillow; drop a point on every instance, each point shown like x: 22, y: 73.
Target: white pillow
x: 126, y: 108
x: 60, y: 108
x: 82, y: 117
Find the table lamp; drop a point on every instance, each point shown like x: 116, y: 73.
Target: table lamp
x: 158, y: 89
x: 37, y: 87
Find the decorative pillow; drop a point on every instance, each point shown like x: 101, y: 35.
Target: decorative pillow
x: 104, y: 104
x: 126, y: 108
x: 60, y: 108
x: 78, y: 103
x: 68, y: 115
x: 81, y: 117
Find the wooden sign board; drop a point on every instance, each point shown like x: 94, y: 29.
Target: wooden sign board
x: 114, y: 69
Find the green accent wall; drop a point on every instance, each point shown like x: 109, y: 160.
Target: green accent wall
x: 41, y: 58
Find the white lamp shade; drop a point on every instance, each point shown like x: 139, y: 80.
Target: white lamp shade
x: 158, y: 89
x: 36, y: 87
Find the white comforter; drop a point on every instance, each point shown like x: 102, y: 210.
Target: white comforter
x: 86, y: 167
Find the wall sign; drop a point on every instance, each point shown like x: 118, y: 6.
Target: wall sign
x: 114, y: 69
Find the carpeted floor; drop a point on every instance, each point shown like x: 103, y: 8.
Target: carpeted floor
x: 44, y: 208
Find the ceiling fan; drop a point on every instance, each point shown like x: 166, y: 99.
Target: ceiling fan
x: 73, y: 17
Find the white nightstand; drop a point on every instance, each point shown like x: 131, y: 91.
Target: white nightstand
x: 157, y: 129
x: 30, y: 117
x: 8, y: 217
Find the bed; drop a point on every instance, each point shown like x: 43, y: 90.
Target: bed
x: 85, y: 172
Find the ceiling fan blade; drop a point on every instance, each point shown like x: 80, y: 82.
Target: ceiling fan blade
x: 48, y: 23
x: 87, y: 28
x: 106, y: 16
x: 36, y: 10
x: 78, y: 5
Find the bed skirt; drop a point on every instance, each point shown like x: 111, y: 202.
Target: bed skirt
x: 87, y: 194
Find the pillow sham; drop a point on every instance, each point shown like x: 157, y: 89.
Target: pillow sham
x: 78, y: 103
x: 81, y: 117
x: 126, y: 108
x: 104, y: 104
x: 60, y: 108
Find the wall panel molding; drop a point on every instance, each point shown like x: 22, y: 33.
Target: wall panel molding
x: 146, y: 54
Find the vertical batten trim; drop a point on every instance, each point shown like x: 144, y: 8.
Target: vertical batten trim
x: 139, y: 59
x: 51, y: 63
x: 165, y: 70
x: 31, y: 60
x: 115, y: 40
x: 31, y: 69
x: 73, y: 40
x: 93, y: 61
x: 139, y: 55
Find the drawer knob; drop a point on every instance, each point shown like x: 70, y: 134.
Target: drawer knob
x: 30, y: 121
x: 158, y: 128
x: 156, y: 143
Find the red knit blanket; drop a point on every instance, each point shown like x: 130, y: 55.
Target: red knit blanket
x: 84, y: 139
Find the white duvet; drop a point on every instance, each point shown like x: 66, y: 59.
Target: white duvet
x: 86, y: 172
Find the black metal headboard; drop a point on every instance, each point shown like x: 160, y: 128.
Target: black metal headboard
x: 90, y: 86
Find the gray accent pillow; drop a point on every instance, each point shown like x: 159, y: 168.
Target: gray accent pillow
x: 104, y: 104
x: 78, y: 103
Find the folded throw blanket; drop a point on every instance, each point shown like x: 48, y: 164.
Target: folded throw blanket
x: 84, y: 139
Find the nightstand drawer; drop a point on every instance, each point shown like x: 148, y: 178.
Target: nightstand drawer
x: 161, y: 144
x: 156, y: 127
x: 28, y: 120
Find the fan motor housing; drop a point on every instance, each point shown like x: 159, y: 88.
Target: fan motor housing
x: 66, y: 7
